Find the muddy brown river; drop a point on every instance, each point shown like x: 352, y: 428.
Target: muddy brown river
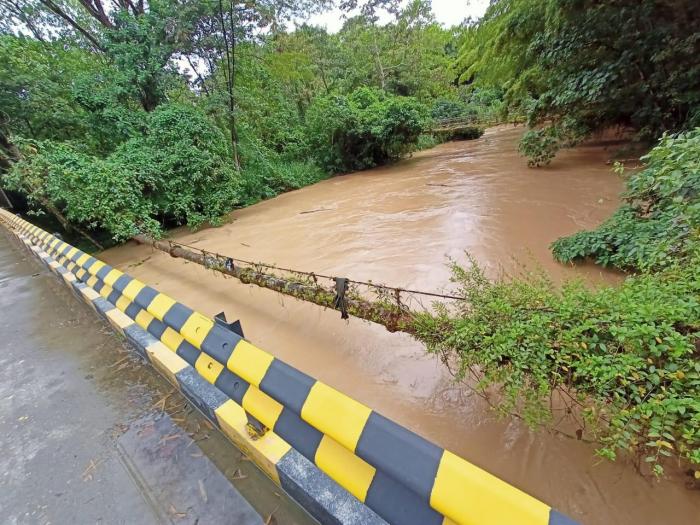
x: 397, y: 225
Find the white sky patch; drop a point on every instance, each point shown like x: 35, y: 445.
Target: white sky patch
x: 447, y: 12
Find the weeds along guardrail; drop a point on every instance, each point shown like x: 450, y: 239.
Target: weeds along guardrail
x: 285, y: 420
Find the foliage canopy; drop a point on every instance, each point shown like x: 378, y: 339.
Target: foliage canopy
x: 580, y: 65
x: 205, y: 106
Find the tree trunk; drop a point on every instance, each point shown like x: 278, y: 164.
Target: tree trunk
x: 5, y: 199
x: 67, y: 226
x: 393, y: 318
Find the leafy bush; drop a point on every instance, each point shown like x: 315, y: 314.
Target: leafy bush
x: 468, y: 133
x: 87, y: 190
x: 427, y: 141
x: 446, y: 109
x: 624, y: 361
x: 183, y: 163
x: 180, y: 171
x: 266, y: 173
x: 659, y: 223
x: 365, y: 129
x: 539, y: 146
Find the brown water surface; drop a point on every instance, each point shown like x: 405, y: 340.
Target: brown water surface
x: 396, y: 225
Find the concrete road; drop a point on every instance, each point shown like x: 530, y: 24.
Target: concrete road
x: 90, y: 434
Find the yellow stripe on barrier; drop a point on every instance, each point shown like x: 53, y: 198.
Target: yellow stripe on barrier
x: 255, y: 402
x: 208, y: 368
x: 265, y: 451
x: 122, y: 303
x: 166, y: 361
x: 143, y: 319
x: 249, y: 362
x: 112, y: 276
x: 118, y: 319
x: 133, y: 288
x: 160, y: 305
x: 472, y: 496
x: 346, y: 468
x: 196, y: 328
x: 325, y: 405
x: 171, y: 339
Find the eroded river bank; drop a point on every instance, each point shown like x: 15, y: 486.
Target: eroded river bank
x: 396, y: 225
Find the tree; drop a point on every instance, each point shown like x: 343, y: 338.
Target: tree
x: 367, y: 128
x: 581, y: 65
x: 406, y: 56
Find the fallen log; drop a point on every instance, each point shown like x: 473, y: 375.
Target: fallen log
x: 393, y: 315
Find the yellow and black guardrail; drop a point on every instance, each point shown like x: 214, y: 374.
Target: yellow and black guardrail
x: 307, y: 432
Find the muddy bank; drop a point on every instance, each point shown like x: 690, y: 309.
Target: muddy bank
x: 396, y: 225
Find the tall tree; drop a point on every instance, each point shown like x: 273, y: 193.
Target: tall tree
x: 580, y: 65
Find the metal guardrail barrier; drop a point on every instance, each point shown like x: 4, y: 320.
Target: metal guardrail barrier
x: 401, y: 476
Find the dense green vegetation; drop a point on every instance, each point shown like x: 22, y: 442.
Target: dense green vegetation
x: 180, y: 112
x: 659, y: 224
x: 142, y: 116
x: 573, y: 67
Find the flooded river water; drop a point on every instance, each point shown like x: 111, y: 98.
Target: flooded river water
x: 397, y: 225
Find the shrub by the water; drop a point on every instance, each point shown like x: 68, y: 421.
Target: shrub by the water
x: 468, y: 133
x: 659, y: 224
x: 367, y: 128
x: 627, y: 356
x: 539, y: 146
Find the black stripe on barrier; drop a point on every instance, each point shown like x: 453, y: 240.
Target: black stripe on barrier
x: 220, y: 343
x: 188, y: 352
x: 102, y: 272
x: 302, y: 436
x: 133, y: 310
x: 114, y: 296
x: 282, y: 381
x: 145, y: 297
x: 382, y: 440
x: 88, y: 264
x: 177, y: 315
x: 233, y: 386
x: 156, y: 328
x: 395, y: 501
x: 122, y: 282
